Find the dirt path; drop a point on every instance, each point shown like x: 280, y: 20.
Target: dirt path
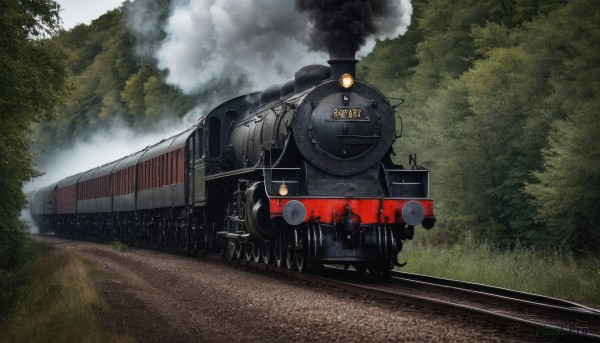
x: 158, y: 297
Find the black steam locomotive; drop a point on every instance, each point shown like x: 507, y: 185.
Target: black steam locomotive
x: 298, y: 175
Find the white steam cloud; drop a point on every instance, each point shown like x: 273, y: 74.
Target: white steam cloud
x: 261, y: 41
x: 31, y: 225
x: 258, y: 42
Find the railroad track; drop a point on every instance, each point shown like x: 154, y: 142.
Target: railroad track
x: 527, y: 301
x: 524, y: 315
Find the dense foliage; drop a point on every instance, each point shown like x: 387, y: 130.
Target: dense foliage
x: 502, y: 105
x: 33, y: 80
x: 111, y: 83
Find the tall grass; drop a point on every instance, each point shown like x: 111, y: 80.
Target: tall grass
x: 556, y: 273
x: 16, y: 275
x: 57, y: 303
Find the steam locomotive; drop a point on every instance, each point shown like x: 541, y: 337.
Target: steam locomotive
x: 299, y: 175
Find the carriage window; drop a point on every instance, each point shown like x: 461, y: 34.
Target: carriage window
x: 214, y: 144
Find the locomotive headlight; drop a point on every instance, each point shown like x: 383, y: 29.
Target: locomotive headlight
x: 283, y: 189
x: 346, y: 81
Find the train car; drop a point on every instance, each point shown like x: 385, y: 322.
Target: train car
x: 125, y: 179
x: 162, y: 194
x: 65, y: 195
x: 298, y: 175
x: 95, y: 200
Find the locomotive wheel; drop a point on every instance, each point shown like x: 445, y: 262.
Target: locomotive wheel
x: 265, y: 251
x: 231, y: 246
x: 375, y: 269
x: 289, y: 252
x: 248, y: 247
x: 299, y: 255
x: 389, y: 264
x: 289, y: 259
x: 256, y: 251
x: 278, y: 250
x: 381, y: 268
x: 361, y: 268
x: 239, y: 249
x: 387, y: 252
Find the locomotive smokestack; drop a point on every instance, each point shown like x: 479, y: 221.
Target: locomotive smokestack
x: 340, y: 67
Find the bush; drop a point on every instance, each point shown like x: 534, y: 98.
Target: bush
x: 119, y: 246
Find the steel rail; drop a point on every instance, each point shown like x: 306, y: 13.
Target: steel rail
x: 534, y: 306
x: 505, y: 294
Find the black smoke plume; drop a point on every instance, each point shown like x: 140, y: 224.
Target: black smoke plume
x: 341, y: 27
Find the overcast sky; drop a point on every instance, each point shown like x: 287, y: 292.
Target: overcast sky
x: 84, y: 11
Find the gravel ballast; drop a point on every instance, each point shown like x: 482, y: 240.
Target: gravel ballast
x: 160, y: 297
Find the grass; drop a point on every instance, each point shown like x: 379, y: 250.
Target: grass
x: 119, y: 246
x: 57, y: 303
x: 553, y: 273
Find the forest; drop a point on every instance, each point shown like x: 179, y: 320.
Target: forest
x: 501, y: 104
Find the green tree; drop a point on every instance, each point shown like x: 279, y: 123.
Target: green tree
x: 33, y: 81
x: 523, y: 84
x: 149, y: 99
x: 437, y: 103
x: 112, y: 83
x: 566, y: 190
x: 486, y: 80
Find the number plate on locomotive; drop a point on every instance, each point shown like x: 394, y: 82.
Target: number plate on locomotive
x: 347, y: 113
